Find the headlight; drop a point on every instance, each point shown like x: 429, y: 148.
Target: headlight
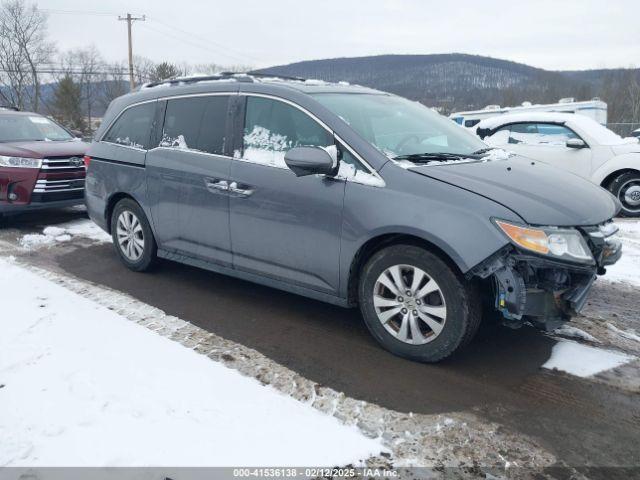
x: 563, y: 243
x: 20, y: 162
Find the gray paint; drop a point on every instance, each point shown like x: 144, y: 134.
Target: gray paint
x: 302, y: 234
x: 539, y: 193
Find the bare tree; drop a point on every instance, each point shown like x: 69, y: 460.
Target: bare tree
x: 87, y: 69
x: 23, y: 37
x: 142, y: 68
x: 114, y: 82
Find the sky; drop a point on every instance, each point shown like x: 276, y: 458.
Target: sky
x: 550, y: 34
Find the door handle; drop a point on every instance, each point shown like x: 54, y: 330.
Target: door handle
x: 215, y: 185
x: 241, y: 191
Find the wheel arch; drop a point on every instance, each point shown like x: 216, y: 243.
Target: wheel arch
x: 111, y: 204
x: 606, y: 181
x: 378, y: 242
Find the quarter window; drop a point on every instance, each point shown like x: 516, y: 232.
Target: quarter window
x: 133, y: 127
x: 196, y: 123
x: 272, y: 128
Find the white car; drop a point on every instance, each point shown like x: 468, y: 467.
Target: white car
x: 575, y: 143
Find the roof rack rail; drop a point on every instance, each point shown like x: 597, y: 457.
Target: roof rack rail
x: 275, y: 75
x: 237, y: 76
x: 197, y: 78
x: 9, y: 107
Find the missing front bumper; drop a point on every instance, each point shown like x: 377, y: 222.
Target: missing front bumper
x: 527, y: 288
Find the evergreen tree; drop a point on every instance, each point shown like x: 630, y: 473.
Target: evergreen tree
x: 67, y: 104
x: 163, y: 71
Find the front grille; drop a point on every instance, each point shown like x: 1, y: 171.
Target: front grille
x: 66, y: 185
x: 63, y: 164
x: 60, y: 178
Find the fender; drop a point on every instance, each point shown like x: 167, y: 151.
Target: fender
x: 626, y: 161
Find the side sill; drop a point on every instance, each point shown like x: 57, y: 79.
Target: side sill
x: 251, y: 277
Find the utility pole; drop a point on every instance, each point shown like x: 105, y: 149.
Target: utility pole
x: 130, y: 19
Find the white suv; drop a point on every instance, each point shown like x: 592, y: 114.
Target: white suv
x: 575, y: 143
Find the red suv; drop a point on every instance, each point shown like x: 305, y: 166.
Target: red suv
x: 41, y: 163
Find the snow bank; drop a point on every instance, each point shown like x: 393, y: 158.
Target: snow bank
x: 65, y: 232
x: 582, y: 360
x: 82, y: 386
x: 627, y: 269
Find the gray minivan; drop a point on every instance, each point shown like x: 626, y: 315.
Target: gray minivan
x: 351, y: 196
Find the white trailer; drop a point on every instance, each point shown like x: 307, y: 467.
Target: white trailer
x: 595, y: 109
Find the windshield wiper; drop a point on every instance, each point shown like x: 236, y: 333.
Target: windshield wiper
x: 435, y: 156
x: 483, y: 151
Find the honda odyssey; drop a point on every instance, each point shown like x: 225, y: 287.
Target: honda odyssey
x: 350, y: 196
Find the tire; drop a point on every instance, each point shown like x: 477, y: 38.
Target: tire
x: 456, y: 299
x: 142, y: 255
x: 626, y: 188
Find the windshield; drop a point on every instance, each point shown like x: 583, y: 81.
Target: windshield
x: 400, y: 127
x: 27, y: 128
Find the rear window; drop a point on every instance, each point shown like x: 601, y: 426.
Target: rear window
x: 196, y: 123
x: 133, y: 127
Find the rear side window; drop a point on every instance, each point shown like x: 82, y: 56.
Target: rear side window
x: 133, y: 127
x: 272, y: 128
x: 196, y: 123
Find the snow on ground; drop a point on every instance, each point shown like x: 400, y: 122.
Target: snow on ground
x: 628, y: 334
x: 65, y: 232
x: 574, y: 332
x: 628, y: 267
x: 82, y: 386
x: 582, y: 360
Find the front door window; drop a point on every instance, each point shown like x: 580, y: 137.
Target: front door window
x: 272, y: 128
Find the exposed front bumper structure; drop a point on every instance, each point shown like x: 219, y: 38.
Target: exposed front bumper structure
x: 544, y: 291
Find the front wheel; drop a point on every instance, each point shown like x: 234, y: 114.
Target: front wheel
x: 132, y: 236
x: 415, y: 305
x: 626, y: 187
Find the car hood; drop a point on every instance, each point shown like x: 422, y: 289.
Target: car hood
x: 43, y: 149
x: 538, y: 193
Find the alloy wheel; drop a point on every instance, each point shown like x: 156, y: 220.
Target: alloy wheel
x: 410, y: 305
x: 130, y: 235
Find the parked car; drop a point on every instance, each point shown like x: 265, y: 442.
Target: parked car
x: 636, y: 133
x: 574, y: 143
x: 350, y: 196
x: 41, y: 163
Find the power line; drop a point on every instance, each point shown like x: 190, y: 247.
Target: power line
x: 204, y: 40
x: 200, y: 41
x: 77, y: 12
x: 192, y: 43
x: 71, y: 72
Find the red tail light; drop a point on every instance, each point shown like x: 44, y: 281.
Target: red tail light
x: 87, y: 161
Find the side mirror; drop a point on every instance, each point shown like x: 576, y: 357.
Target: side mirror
x: 310, y: 161
x: 576, y: 143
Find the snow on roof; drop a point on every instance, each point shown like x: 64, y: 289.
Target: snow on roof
x: 555, y: 117
x: 583, y: 125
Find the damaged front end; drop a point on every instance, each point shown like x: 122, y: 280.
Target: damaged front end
x: 531, y: 282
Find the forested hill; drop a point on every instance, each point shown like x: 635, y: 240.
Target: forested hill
x: 455, y: 81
